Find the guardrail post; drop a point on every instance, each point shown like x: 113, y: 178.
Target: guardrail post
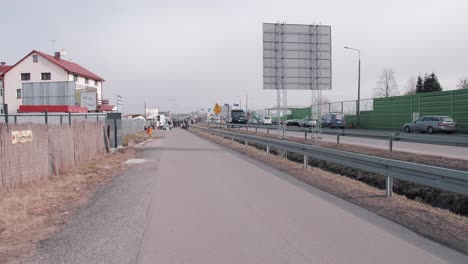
x: 338, y: 135
x: 246, y: 143
x: 268, y: 130
x: 268, y: 150
x: 305, y: 134
x: 69, y: 119
x: 390, y: 143
x: 306, y: 162
x: 256, y: 129
x: 97, y: 118
x: 389, y: 186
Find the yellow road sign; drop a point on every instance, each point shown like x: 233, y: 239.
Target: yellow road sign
x: 217, y: 109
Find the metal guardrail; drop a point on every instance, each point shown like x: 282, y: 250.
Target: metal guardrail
x: 453, y: 140
x: 437, y: 177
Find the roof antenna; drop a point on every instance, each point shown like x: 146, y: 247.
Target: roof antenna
x: 53, y: 45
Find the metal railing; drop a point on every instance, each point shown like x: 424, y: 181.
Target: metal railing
x: 51, y: 118
x: 437, y: 177
x: 445, y: 140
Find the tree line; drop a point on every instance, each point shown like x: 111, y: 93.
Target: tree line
x: 387, y: 84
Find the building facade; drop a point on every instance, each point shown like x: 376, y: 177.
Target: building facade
x: 38, y: 67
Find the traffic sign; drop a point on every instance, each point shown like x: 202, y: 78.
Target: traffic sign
x: 217, y: 109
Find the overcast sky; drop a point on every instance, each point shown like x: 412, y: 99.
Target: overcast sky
x: 187, y: 55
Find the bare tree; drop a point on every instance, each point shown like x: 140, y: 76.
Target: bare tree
x: 463, y: 84
x: 387, y: 85
x: 411, y: 85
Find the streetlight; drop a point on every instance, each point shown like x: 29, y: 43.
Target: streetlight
x: 359, y: 86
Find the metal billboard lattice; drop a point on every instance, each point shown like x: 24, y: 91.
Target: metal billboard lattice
x: 297, y: 57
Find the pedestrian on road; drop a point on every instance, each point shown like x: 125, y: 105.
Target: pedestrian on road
x: 149, y: 131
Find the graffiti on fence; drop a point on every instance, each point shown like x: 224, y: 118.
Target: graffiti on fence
x: 24, y: 136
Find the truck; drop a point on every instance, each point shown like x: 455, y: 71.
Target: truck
x: 237, y: 116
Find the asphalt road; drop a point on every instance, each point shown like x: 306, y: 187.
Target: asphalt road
x: 196, y: 202
x: 438, y: 150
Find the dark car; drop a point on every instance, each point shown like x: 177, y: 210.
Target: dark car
x: 333, y: 120
x: 432, y: 124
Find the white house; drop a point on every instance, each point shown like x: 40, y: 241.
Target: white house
x: 3, y: 68
x: 40, y: 67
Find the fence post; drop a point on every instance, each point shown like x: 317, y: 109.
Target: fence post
x: 61, y: 119
x: 390, y: 142
x: 268, y: 130
x: 115, y: 132
x: 389, y: 185
x: 97, y: 118
x: 85, y: 116
x: 338, y: 138
x: 305, y: 134
x: 46, y: 117
x: 16, y: 119
x: 256, y: 129
x: 306, y: 162
x: 268, y: 150
x: 69, y: 119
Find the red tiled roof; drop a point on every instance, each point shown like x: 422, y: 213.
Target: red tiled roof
x: 4, y: 69
x: 69, y: 66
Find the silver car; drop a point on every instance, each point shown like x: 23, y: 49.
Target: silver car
x: 432, y: 124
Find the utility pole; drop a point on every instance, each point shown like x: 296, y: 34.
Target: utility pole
x: 358, y: 110
x: 53, y: 46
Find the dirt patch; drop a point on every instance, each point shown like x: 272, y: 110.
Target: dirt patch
x: 32, y: 212
x: 436, y: 224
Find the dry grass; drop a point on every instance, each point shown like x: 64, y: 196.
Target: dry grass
x: 134, y: 139
x: 437, y: 224
x: 32, y: 212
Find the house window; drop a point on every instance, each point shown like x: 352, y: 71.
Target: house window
x: 86, y: 80
x: 25, y: 76
x: 1, y: 92
x: 45, y: 76
x: 95, y: 83
x: 75, y: 78
x: 18, y: 93
x: 35, y: 58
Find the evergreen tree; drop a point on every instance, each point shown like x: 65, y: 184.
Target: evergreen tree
x: 419, y: 85
x: 431, y: 84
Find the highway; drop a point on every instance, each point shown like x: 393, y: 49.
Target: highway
x: 193, y: 201
x: 417, y: 148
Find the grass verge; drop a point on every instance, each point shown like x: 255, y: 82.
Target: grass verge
x: 33, y: 212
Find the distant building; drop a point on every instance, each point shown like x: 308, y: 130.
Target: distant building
x: 3, y: 69
x: 38, y: 67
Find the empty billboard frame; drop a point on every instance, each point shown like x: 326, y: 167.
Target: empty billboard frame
x: 296, y: 57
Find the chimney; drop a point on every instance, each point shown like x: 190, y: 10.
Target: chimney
x: 2, y: 63
x: 57, y: 55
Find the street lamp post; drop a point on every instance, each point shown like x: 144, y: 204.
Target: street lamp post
x: 358, y: 110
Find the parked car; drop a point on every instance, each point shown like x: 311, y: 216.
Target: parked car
x: 293, y: 122
x: 266, y: 120
x: 307, y: 122
x: 333, y: 120
x: 252, y: 122
x: 432, y: 124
